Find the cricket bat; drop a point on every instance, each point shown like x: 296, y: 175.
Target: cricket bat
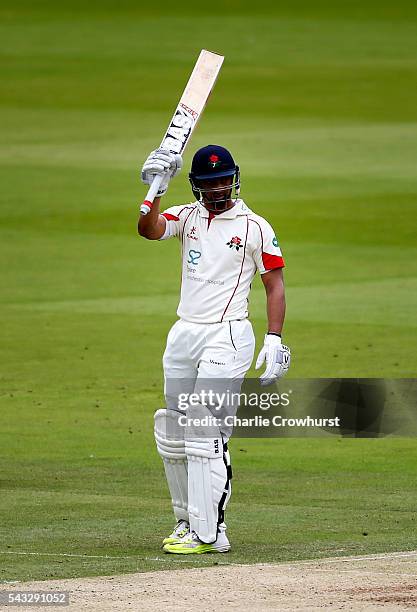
x: 187, y: 113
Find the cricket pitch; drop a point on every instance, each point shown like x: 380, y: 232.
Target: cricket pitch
x: 372, y: 582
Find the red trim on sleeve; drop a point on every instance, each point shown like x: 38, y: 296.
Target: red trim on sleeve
x: 170, y: 217
x: 272, y: 262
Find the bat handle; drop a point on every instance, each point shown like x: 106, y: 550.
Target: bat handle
x: 150, y: 196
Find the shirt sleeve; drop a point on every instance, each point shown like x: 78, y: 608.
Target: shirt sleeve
x: 267, y: 253
x: 174, y: 220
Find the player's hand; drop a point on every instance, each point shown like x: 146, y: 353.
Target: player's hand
x: 277, y: 357
x: 161, y: 162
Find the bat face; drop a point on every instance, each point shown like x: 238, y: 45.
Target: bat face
x: 187, y: 113
x: 180, y: 129
x: 193, y: 101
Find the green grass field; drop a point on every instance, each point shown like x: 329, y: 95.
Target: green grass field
x: 317, y: 102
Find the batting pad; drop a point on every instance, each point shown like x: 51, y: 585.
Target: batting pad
x: 208, y: 482
x: 169, y: 437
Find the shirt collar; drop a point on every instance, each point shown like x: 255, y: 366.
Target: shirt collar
x: 237, y: 210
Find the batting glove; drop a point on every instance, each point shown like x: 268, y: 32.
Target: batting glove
x: 161, y: 162
x: 277, y: 357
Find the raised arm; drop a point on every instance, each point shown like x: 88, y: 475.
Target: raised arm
x: 159, y: 163
x: 152, y: 225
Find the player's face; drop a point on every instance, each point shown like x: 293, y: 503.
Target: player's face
x: 217, y: 193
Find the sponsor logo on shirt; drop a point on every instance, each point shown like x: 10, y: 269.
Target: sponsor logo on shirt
x: 193, y: 257
x: 192, y: 233
x: 206, y: 281
x: 235, y: 243
x: 275, y: 241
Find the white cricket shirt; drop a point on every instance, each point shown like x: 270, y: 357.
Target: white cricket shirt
x: 220, y: 256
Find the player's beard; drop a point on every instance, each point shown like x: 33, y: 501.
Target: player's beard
x: 219, y: 202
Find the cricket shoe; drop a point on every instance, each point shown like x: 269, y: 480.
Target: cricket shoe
x: 191, y: 545
x: 181, y: 529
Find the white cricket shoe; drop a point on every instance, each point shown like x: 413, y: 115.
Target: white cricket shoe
x: 181, y: 529
x: 190, y: 544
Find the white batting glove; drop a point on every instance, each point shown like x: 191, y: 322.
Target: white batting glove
x: 161, y: 162
x: 277, y: 357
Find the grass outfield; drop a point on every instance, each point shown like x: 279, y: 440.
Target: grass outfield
x: 318, y: 107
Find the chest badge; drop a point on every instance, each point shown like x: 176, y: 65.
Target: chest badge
x: 235, y: 243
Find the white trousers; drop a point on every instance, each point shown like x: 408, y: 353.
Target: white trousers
x: 214, y: 350
x: 196, y: 351
x: 197, y: 464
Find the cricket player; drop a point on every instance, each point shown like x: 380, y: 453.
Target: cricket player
x: 223, y: 244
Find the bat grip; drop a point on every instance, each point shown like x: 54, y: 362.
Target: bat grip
x: 150, y: 196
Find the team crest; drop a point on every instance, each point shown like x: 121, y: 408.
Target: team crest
x: 214, y: 160
x: 235, y: 243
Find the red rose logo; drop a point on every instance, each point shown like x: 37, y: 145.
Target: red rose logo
x: 214, y: 160
x: 235, y: 243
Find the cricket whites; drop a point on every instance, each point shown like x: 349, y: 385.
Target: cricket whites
x: 187, y: 113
